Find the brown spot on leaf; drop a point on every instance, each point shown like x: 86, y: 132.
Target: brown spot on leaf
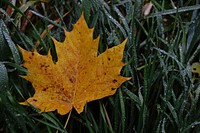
x: 72, y: 80
x: 46, y: 66
x: 42, y: 65
x: 109, y: 58
x: 114, y: 81
x: 113, y: 89
x: 34, y: 100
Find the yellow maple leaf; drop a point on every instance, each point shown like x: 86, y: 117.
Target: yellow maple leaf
x: 79, y: 75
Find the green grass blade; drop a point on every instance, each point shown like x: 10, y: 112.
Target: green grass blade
x: 173, y: 11
x: 123, y: 112
x: 132, y: 96
x: 4, y: 31
x: 3, y: 77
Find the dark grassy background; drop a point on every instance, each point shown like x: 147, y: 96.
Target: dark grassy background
x: 163, y: 95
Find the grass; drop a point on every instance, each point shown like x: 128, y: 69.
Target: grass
x: 162, y: 95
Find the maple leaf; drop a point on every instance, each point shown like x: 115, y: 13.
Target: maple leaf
x: 79, y: 75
